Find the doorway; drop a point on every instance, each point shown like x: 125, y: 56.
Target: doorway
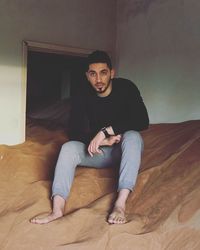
x: 52, y: 78
x: 53, y: 75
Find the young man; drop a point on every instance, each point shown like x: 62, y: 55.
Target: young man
x: 104, y: 126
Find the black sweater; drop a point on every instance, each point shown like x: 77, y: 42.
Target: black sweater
x: 123, y: 109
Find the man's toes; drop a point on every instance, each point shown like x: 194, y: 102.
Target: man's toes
x: 34, y: 220
x: 122, y: 220
x: 117, y: 217
x: 117, y: 220
x: 111, y: 220
x: 39, y: 220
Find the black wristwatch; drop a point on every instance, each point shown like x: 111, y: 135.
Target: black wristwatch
x: 105, y: 132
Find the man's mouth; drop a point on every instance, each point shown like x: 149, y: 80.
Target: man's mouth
x: 99, y: 86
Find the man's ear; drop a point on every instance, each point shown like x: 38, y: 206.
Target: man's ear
x: 112, y: 73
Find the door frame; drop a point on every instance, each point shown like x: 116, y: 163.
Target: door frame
x: 28, y: 45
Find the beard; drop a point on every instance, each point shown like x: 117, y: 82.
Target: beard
x: 101, y: 87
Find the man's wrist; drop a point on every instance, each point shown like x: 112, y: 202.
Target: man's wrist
x: 110, y: 130
x: 104, y: 130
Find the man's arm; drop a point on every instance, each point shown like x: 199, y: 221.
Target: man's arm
x: 134, y: 116
x: 101, y: 140
x: 78, y: 123
x: 113, y: 139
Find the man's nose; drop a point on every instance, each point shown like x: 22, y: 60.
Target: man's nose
x: 98, y: 78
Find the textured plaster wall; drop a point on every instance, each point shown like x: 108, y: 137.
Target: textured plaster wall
x: 158, y: 47
x: 88, y: 24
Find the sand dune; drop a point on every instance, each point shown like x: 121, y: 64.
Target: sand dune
x: 163, y: 211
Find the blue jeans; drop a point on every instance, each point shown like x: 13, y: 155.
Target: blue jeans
x: 127, y: 154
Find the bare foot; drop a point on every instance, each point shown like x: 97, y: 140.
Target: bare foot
x: 46, y: 219
x: 117, y: 216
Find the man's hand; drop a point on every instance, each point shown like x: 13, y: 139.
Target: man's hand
x: 100, y: 140
x: 111, y: 140
x: 93, y: 147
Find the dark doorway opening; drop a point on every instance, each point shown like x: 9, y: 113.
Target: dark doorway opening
x: 52, y: 79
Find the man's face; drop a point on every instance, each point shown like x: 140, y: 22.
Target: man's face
x: 100, y: 77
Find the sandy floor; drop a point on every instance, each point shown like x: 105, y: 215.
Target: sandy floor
x: 163, y: 211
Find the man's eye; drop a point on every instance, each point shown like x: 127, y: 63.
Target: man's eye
x: 92, y: 74
x: 104, y: 73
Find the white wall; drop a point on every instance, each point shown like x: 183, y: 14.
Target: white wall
x: 158, y: 47
x: 88, y: 24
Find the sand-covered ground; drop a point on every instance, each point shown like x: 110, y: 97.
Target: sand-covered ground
x: 163, y: 211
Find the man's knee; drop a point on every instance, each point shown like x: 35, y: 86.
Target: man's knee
x: 72, y: 147
x: 132, y: 137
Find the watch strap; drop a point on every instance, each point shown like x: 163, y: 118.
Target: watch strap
x: 105, y: 132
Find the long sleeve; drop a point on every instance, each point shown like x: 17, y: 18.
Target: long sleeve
x: 123, y: 109
x: 134, y: 115
x: 78, y: 120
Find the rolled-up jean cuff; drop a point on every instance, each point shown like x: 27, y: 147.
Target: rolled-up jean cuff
x: 59, y: 194
x: 126, y: 185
